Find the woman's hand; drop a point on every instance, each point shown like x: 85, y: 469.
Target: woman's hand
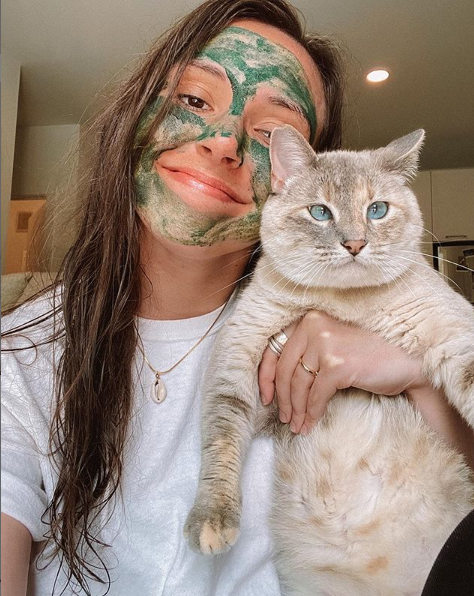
x: 343, y: 355
x: 443, y: 418
x: 346, y: 356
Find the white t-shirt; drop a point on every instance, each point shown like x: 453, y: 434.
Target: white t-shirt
x: 149, y: 555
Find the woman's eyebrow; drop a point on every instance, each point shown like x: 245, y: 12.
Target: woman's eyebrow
x: 285, y: 102
x: 209, y: 68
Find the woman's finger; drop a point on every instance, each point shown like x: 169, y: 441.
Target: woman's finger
x: 285, y: 371
x: 323, y: 388
x: 266, y: 376
x: 300, y: 387
x: 301, y: 383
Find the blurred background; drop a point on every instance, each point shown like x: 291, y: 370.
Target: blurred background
x: 60, y: 58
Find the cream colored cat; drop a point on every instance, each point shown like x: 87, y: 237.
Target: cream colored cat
x: 363, y: 504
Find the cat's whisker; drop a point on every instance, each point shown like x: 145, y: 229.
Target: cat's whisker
x: 312, y: 276
x: 248, y: 255
x: 286, y: 259
x: 391, y: 243
x: 396, y: 279
x: 446, y: 277
x: 386, y: 272
x: 297, y: 259
x: 317, y: 270
x: 412, y: 270
x: 234, y: 283
x: 422, y: 265
x: 428, y: 232
x: 283, y: 261
x: 465, y: 267
x: 306, y: 271
x: 319, y: 273
x: 275, y: 270
x: 304, y: 267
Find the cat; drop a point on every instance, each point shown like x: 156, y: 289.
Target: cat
x: 364, y: 502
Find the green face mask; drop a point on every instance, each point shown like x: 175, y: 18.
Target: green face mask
x: 251, y: 62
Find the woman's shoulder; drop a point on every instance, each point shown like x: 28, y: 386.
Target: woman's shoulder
x: 33, y: 321
x: 31, y: 336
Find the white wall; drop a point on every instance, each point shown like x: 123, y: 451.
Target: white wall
x: 47, y: 163
x: 42, y: 163
x: 10, y: 89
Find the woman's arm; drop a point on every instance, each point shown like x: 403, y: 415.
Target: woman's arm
x: 443, y: 418
x: 16, y: 549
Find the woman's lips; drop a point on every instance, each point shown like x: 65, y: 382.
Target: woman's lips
x: 202, y: 183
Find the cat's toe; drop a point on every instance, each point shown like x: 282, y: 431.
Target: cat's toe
x: 214, y: 540
x: 211, y: 532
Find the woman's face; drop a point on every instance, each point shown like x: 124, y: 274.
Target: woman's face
x: 205, y: 176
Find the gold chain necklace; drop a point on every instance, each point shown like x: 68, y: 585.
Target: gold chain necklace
x: 158, y: 388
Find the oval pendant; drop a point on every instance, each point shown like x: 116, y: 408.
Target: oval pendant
x: 158, y: 390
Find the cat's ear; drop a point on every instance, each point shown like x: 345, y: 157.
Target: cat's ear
x: 290, y: 153
x: 402, y: 155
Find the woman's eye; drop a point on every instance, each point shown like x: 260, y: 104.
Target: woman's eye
x: 377, y: 210
x: 320, y: 212
x: 266, y: 134
x: 193, y: 102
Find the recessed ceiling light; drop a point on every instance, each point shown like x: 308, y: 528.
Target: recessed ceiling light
x: 377, y: 76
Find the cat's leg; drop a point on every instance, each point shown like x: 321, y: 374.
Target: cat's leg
x: 460, y: 390
x: 435, y: 324
x: 445, y: 330
x: 453, y: 370
x: 229, y: 408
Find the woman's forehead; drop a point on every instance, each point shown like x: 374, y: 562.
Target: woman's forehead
x: 251, y: 60
x: 252, y: 52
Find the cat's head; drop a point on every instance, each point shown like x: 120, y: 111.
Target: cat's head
x: 341, y: 219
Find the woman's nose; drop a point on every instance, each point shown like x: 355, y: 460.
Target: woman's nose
x: 222, y: 148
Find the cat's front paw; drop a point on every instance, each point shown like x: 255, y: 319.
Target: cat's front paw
x: 212, y: 530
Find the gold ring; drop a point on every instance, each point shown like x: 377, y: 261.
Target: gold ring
x: 307, y: 369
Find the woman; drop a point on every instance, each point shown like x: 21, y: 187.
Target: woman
x: 171, y: 221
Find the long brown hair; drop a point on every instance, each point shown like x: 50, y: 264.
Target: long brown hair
x: 101, y: 278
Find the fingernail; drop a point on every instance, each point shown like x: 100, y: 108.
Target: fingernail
x: 293, y: 427
x: 283, y: 417
x: 304, y: 430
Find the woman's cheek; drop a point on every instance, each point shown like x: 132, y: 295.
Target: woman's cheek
x: 178, y: 128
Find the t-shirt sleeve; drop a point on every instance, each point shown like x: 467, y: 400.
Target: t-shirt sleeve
x: 23, y: 494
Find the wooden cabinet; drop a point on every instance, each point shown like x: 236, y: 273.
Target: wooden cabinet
x: 452, y: 204
x: 421, y: 186
x: 446, y: 199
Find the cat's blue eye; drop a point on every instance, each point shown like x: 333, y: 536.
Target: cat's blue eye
x: 377, y: 210
x: 320, y: 212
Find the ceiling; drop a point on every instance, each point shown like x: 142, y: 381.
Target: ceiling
x: 69, y: 50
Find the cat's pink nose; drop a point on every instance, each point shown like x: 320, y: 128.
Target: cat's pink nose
x: 354, y: 246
